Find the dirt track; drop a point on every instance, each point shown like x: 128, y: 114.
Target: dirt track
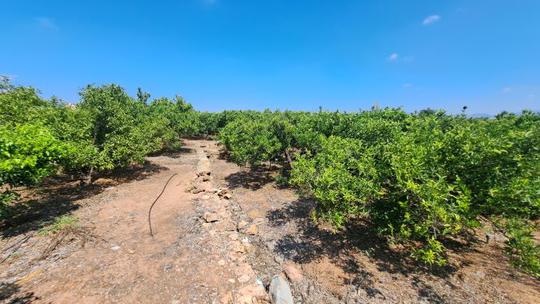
x: 217, y: 236
x: 187, y: 261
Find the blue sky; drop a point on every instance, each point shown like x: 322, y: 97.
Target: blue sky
x: 286, y: 54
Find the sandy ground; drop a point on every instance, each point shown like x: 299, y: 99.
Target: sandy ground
x: 221, y: 232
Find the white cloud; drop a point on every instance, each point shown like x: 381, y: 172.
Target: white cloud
x: 431, y: 19
x: 393, y: 57
x: 507, y: 90
x: 46, y: 23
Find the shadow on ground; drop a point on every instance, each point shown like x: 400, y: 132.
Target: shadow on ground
x: 10, y: 293
x: 310, y: 242
x: 57, y: 196
x: 175, y: 153
x: 253, y: 179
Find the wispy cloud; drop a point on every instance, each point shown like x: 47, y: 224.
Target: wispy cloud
x: 506, y: 90
x: 393, y: 57
x: 431, y: 19
x: 46, y: 23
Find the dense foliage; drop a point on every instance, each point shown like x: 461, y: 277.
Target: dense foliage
x: 419, y: 178
x: 106, y: 130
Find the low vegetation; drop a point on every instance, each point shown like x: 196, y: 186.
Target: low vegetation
x: 60, y: 224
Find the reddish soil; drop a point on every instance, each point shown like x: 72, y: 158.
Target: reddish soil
x: 219, y: 231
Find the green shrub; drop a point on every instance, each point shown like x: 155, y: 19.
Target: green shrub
x: 28, y: 153
x: 342, y: 177
x: 251, y: 141
x: 523, y: 250
x: 418, y: 178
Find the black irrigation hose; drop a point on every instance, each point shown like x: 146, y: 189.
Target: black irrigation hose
x: 152, y: 206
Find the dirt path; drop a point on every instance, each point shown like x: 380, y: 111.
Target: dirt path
x: 195, y: 256
x: 221, y: 232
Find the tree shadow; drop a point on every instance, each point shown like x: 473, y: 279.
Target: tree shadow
x: 9, y: 293
x: 174, y: 153
x: 311, y: 241
x: 254, y: 178
x: 58, y: 196
x: 426, y: 292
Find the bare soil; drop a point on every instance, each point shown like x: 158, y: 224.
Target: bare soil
x: 221, y: 232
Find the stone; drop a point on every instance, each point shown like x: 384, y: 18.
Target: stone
x: 197, y: 190
x: 226, y: 225
x: 203, y: 173
x: 210, y: 217
x: 221, y: 262
x: 226, y: 298
x: 271, y: 244
x: 252, y: 229
x: 238, y: 247
x: 206, y: 178
x: 244, y: 278
x: 254, y: 290
x: 292, y: 272
x: 224, y: 193
x: 280, y: 291
x: 242, y: 224
x: 256, y: 213
x: 258, y: 220
x: 244, y: 269
x: 115, y: 248
x: 247, y: 299
x: 279, y: 259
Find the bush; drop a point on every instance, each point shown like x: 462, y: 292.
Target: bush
x: 28, y: 153
x: 419, y: 178
x: 523, y: 250
x: 251, y: 141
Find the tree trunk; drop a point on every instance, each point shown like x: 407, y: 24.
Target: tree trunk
x: 288, y: 156
x: 88, y: 180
